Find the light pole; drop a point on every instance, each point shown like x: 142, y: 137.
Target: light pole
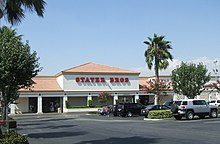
x: 215, y: 70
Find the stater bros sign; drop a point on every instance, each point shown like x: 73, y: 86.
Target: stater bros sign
x: 101, y: 79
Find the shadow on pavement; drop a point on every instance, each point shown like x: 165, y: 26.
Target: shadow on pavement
x: 127, y: 140
x: 55, y: 134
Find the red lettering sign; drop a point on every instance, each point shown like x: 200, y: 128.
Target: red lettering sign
x: 82, y: 79
x: 97, y: 80
x: 92, y: 79
x: 102, y: 79
x: 112, y: 80
x: 77, y: 79
x: 87, y: 79
x: 122, y: 80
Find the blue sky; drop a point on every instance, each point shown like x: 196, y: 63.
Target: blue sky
x: 75, y: 32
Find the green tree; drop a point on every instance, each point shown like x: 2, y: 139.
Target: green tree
x: 157, y: 56
x: 189, y: 79
x: 17, y: 66
x: 14, y: 10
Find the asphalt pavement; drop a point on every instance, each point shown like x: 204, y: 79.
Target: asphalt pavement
x: 95, y: 129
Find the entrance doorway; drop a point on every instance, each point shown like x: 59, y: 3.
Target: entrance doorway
x: 32, y: 105
x: 144, y: 100
x: 50, y: 104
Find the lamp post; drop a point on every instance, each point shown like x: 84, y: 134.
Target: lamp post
x: 215, y: 70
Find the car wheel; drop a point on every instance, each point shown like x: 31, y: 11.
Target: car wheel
x: 178, y: 117
x: 129, y: 114
x: 174, y: 108
x: 189, y: 115
x: 213, y: 114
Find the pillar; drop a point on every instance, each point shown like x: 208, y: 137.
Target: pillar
x: 115, y: 98
x: 39, y: 104
x: 65, y: 98
x: 136, y: 97
x: 12, y: 109
x: 89, y: 97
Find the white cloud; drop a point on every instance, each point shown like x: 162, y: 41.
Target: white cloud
x: 173, y: 64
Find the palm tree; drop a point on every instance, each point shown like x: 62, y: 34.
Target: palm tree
x: 157, y: 55
x: 14, y: 10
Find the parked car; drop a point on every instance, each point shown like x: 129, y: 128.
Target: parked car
x: 145, y: 111
x: 128, y: 109
x: 169, y: 103
x: 191, y: 107
x: 215, y: 102
x: 106, y: 110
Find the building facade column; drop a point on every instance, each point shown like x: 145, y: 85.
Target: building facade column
x: 89, y: 97
x: 136, y: 97
x: 65, y: 99
x: 12, y: 109
x: 115, y: 98
x: 39, y: 104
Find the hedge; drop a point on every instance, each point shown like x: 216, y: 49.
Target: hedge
x: 13, y: 137
x: 160, y: 114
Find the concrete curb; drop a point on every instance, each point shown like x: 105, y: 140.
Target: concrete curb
x: 147, y: 119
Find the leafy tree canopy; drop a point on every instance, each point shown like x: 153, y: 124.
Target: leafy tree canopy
x: 17, y: 64
x: 189, y: 79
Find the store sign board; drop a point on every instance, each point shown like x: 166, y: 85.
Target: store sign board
x: 101, y: 79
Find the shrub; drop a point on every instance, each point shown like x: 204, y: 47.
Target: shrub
x: 159, y: 114
x: 67, y: 103
x: 90, y: 103
x: 13, y: 137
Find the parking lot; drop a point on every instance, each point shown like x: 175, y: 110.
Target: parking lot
x: 93, y: 129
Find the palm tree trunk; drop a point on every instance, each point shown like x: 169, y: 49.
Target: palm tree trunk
x: 157, y: 78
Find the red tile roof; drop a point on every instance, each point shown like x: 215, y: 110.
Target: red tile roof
x: 44, y: 83
x: 98, y: 68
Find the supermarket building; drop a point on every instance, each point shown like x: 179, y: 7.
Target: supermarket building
x: 85, y: 82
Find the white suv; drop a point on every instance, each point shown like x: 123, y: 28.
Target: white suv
x: 215, y: 102
x: 191, y: 107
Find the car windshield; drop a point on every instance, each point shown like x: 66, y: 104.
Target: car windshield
x: 212, y: 102
x: 149, y: 106
x: 177, y: 102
